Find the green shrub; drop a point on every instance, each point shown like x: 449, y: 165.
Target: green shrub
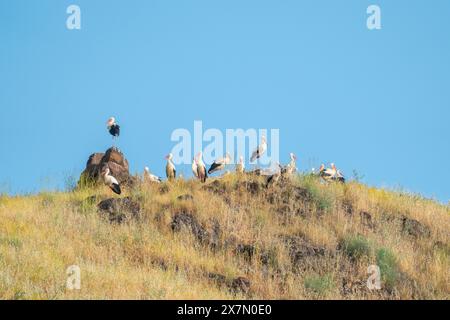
x: 322, y: 199
x: 387, y: 262
x: 85, y: 182
x: 88, y: 205
x: 356, y: 247
x: 319, y: 284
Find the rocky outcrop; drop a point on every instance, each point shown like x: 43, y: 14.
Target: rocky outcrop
x: 112, y: 158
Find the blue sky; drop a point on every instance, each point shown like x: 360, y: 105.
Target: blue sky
x: 374, y: 101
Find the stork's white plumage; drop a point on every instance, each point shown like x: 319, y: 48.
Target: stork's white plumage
x: 240, y: 167
x: 260, y: 150
x: 194, y: 167
x: 110, y: 181
x: 113, y: 127
x: 331, y: 173
x: 324, y: 173
x: 338, y: 175
x: 171, y: 172
x: 291, y: 168
x: 151, y: 177
x: 201, y: 168
x: 220, y: 164
x: 111, y: 121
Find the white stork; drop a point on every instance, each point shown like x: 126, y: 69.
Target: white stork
x: 275, y: 176
x: 151, y: 177
x: 110, y: 181
x: 171, y: 172
x: 201, y: 168
x: 240, y: 167
x: 291, y: 168
x: 326, y: 174
x: 338, y: 175
x: 194, y: 167
x: 113, y: 127
x: 220, y: 164
x: 260, y: 150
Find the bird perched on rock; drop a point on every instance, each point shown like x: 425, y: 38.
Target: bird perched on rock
x: 260, y: 150
x: 220, y: 164
x: 151, y: 177
x: 171, y: 172
x: 110, y: 181
x: 113, y: 127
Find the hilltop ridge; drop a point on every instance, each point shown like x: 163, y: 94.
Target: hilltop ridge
x: 229, y: 238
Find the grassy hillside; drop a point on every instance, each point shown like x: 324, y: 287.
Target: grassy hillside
x: 234, y: 238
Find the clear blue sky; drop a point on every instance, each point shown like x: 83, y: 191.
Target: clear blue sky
x: 374, y: 101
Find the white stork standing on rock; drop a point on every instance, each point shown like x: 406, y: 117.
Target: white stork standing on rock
x: 113, y: 127
x: 171, y: 172
x: 240, y: 167
x: 110, y: 181
x: 220, y: 164
x: 201, y: 168
x: 260, y: 150
x: 151, y: 177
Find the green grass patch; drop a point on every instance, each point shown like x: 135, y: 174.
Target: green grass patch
x: 319, y: 284
x: 356, y: 247
x: 388, y: 264
x: 322, y: 199
x: 12, y: 242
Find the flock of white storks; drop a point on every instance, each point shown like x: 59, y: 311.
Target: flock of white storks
x: 199, y: 167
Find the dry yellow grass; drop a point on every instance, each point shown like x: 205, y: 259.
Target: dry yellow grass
x: 299, y: 240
